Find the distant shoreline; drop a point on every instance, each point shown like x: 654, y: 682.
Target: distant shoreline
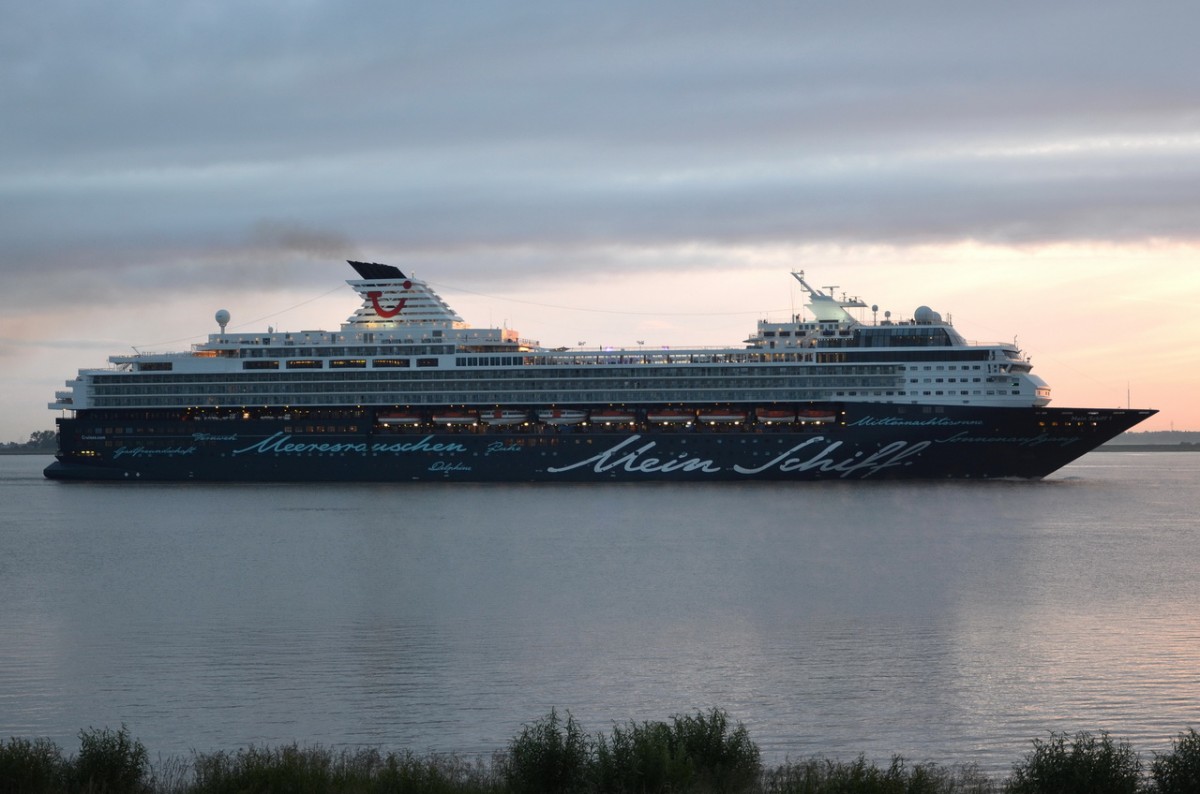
x: 1182, y: 446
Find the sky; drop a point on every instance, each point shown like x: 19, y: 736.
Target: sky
x: 605, y: 173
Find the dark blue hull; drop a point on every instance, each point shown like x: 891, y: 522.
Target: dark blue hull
x: 868, y: 442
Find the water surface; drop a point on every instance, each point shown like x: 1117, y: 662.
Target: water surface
x: 947, y: 622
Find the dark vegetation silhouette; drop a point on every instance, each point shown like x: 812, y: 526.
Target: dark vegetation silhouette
x: 699, y: 752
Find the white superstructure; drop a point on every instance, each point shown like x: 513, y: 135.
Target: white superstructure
x: 405, y: 347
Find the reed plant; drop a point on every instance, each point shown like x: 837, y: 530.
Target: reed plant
x: 109, y: 762
x: 32, y: 766
x: 823, y: 776
x: 112, y: 762
x: 1178, y: 772
x: 1084, y: 764
x: 694, y: 752
x: 550, y: 755
x: 318, y: 770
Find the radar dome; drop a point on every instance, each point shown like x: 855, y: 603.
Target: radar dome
x: 926, y: 315
x: 222, y: 318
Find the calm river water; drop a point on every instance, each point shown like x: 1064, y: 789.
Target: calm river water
x: 946, y: 622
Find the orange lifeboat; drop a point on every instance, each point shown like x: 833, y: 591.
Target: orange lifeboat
x: 670, y: 416
x: 562, y: 416
x: 720, y: 416
x: 613, y: 416
x: 455, y: 418
x: 398, y: 418
x: 503, y: 417
x: 816, y: 415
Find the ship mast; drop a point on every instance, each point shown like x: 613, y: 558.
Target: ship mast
x: 825, y: 307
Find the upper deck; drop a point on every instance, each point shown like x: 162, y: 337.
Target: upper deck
x: 404, y: 344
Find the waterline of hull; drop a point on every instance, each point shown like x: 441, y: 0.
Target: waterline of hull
x: 870, y: 443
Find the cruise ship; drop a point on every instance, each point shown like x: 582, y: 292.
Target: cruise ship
x: 406, y: 391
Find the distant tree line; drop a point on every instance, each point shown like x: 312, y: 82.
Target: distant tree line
x: 39, y: 441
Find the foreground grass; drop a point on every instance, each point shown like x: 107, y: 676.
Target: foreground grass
x: 689, y: 753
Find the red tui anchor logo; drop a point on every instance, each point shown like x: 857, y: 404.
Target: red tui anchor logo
x: 374, y: 297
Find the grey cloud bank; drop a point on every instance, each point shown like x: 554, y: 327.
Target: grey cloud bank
x: 142, y: 137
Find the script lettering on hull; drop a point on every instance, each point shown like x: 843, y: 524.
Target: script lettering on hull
x: 886, y: 457
x: 814, y: 454
x: 286, y: 444
x: 152, y: 452
x: 446, y: 467
x: 634, y: 460
x: 905, y: 421
x: 1020, y: 441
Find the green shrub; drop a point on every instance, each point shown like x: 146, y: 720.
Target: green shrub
x: 111, y: 763
x: 298, y: 770
x: 639, y: 758
x: 1178, y: 772
x: 255, y: 769
x: 442, y: 774
x: 548, y: 756
x: 31, y: 766
x: 722, y: 759
x: 1086, y: 765
x: 693, y: 752
x: 820, y: 776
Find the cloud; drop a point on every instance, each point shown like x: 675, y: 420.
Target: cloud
x: 153, y: 150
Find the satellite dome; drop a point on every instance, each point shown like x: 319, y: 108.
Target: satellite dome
x: 222, y: 318
x: 926, y: 315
